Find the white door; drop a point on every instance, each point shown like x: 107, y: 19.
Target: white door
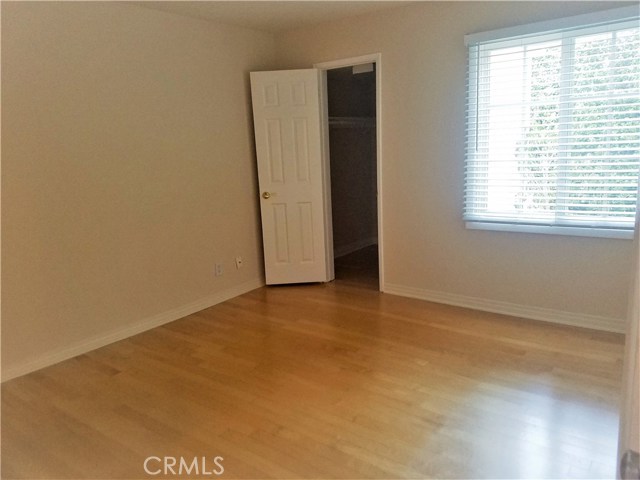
x: 292, y: 154
x: 629, y: 441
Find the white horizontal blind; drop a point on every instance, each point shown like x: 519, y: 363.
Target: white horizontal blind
x: 553, y: 127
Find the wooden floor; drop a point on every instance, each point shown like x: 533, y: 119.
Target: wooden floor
x: 326, y: 381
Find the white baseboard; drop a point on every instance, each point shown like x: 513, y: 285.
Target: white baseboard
x: 56, y: 356
x: 354, y: 247
x: 607, y: 324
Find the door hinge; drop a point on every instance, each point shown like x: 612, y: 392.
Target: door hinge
x: 630, y: 465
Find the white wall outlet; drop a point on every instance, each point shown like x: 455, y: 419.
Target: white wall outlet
x: 219, y: 269
x: 238, y: 263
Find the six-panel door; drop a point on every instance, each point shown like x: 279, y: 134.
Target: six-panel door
x: 287, y: 116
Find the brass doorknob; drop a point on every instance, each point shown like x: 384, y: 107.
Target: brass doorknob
x: 266, y: 195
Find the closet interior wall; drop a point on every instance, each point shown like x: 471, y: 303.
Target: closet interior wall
x: 352, y: 142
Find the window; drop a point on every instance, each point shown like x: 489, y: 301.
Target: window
x: 553, y: 126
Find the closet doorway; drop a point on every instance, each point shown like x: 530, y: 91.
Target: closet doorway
x: 353, y: 108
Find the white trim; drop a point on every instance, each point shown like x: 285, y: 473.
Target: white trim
x: 629, y: 436
x: 552, y: 230
x: 326, y: 176
x: 50, y: 358
x: 354, y: 246
x: 577, y: 21
x: 595, y: 322
x: 349, y: 62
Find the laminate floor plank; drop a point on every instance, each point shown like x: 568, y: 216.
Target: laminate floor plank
x: 326, y: 381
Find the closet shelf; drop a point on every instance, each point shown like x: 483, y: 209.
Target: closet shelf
x: 352, y: 122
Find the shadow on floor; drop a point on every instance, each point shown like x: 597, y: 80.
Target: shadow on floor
x: 359, y: 268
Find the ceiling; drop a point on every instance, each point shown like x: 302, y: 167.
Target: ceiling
x: 270, y: 16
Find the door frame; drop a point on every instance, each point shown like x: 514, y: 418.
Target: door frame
x: 628, y: 437
x: 350, y: 62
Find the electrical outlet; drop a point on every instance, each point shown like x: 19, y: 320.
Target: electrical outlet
x: 219, y: 269
x: 238, y: 263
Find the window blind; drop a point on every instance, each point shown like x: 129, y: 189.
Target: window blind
x: 553, y: 126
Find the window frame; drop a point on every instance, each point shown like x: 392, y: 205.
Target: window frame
x: 554, y: 29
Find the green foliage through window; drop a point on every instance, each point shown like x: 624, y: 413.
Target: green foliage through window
x: 553, y: 134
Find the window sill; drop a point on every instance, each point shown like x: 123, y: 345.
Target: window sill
x: 548, y: 230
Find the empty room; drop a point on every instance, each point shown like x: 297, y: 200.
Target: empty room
x: 342, y: 240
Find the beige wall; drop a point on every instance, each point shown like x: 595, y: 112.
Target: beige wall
x: 426, y: 246
x: 127, y: 169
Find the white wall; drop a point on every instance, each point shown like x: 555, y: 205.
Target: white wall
x: 427, y: 250
x: 128, y: 172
